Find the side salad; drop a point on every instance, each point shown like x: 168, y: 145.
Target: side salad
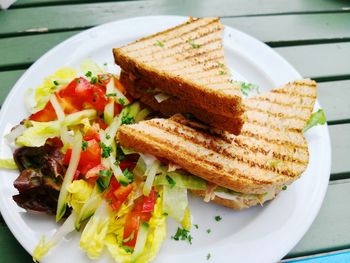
x: 72, y: 167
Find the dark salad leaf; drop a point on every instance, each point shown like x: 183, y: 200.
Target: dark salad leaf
x: 40, y: 179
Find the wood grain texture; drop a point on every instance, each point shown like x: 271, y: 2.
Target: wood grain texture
x: 87, y: 15
x: 325, y: 61
x: 7, y: 80
x: 330, y: 231
x: 334, y: 98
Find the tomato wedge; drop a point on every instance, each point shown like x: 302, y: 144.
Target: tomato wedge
x: 117, y: 194
x: 142, y: 212
x: 46, y: 114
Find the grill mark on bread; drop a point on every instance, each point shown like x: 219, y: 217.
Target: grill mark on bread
x: 276, y: 114
x: 147, y: 41
x: 123, y: 136
x: 181, y: 41
x: 291, y: 105
x: 213, y: 144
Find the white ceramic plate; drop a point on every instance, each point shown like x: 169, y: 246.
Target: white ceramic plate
x: 255, y: 235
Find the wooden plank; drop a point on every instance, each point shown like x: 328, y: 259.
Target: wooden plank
x: 11, y: 250
x: 15, y: 51
x: 334, y: 98
x: 340, y: 138
x: 326, y: 61
x: 87, y: 15
x: 331, y: 229
x: 7, y: 80
x: 308, y: 28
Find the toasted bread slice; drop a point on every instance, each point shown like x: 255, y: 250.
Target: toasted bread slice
x: 263, y: 158
x: 187, y: 62
x: 173, y: 105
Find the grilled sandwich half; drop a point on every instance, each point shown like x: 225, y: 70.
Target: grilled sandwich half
x: 186, y: 62
x: 245, y: 170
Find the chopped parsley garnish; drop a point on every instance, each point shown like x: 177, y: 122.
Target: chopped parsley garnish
x: 182, y: 234
x: 129, y: 177
x: 127, y: 120
x: 194, y: 45
x: 220, y: 64
x: 105, y: 64
x: 77, y: 80
x: 131, y: 237
x: 196, y: 226
x: 56, y: 82
x: 104, y: 173
x: 88, y: 74
x: 93, y: 80
x: 106, y: 150
x: 127, y: 249
x: 111, y: 95
x: 284, y: 187
x: 165, y: 214
x: 121, y: 101
x: 249, y: 89
x: 221, y: 72
x: 84, y: 145
x: 218, y: 218
x: 108, y: 136
x: 208, y: 256
x: 208, y: 230
x: 171, y: 181
x: 316, y: 118
x: 159, y: 43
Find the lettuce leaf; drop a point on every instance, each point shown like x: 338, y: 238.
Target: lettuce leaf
x: 175, y: 202
x: 79, y: 193
x: 316, y: 118
x: 38, y: 133
x: 8, y: 164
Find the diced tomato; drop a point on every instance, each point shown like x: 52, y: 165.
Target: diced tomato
x: 91, y: 134
x: 67, y: 156
x: 141, y: 212
x: 117, y: 194
x: 132, y: 224
x: 117, y: 108
x: 91, y: 157
x: 93, y: 172
x: 148, y: 202
x: 122, y: 192
x: 76, y: 175
x: 102, y: 124
x: 46, y: 114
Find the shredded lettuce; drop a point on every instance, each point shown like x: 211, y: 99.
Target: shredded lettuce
x: 316, y: 118
x: 79, y: 192
x: 175, y: 202
x: 43, y: 247
x: 181, y: 179
x: 89, y: 65
x: 150, y: 174
x: 61, y: 77
x: 187, y: 220
x: 8, y: 164
x: 38, y: 133
x: 92, y: 239
x: 88, y: 208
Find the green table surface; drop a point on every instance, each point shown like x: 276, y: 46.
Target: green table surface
x: 313, y: 35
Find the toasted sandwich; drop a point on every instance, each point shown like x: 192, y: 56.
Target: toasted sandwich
x: 245, y: 170
x: 186, y: 62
